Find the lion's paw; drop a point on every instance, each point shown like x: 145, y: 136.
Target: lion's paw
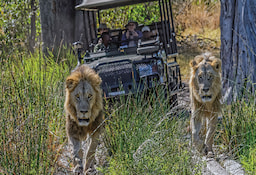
x: 91, y: 171
x: 210, y: 154
x: 78, y: 170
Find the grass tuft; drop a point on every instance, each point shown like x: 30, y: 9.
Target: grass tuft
x: 237, y: 132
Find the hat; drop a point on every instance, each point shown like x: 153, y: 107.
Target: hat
x: 145, y: 29
x: 102, y: 26
x: 131, y: 21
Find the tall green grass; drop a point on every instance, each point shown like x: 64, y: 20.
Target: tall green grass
x: 237, y: 132
x: 142, y: 133
x: 145, y: 136
x: 31, y: 108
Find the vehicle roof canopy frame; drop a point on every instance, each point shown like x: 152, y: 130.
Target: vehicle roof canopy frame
x: 106, y: 4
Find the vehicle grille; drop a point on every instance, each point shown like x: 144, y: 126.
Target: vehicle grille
x: 115, y: 73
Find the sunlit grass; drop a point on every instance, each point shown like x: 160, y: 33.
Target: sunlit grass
x: 249, y: 161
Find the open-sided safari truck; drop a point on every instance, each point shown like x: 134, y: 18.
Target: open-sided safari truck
x: 126, y: 69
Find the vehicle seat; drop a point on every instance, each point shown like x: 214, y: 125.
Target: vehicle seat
x: 148, y: 47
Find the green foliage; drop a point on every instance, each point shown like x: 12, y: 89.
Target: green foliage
x: 31, y: 107
x: 145, y: 13
x: 15, y: 26
x: 145, y: 137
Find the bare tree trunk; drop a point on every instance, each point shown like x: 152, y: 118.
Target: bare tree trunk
x: 62, y: 24
x: 85, y: 26
x: 32, y: 36
x: 57, y: 20
x: 238, y: 44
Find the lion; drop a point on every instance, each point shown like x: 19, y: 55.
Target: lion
x: 205, y: 94
x: 84, y: 116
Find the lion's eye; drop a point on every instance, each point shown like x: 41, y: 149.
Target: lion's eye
x: 77, y: 96
x: 200, y: 78
x: 89, y: 96
x: 209, y: 77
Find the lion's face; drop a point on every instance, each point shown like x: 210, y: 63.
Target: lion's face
x: 83, y: 95
x: 83, y: 98
x: 206, y: 78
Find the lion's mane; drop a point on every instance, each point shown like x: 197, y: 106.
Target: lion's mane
x: 83, y: 72
x: 196, y: 103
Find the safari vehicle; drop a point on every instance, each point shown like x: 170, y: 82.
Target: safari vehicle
x: 127, y: 70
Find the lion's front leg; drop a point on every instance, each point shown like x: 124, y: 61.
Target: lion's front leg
x: 76, y: 155
x: 196, y: 125
x: 211, y: 127
x: 90, y: 153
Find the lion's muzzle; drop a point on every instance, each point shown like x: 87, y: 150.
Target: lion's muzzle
x: 83, y: 122
x: 83, y: 118
x: 206, y: 98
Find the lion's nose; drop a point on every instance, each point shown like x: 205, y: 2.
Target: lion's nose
x: 83, y: 111
x: 205, y: 89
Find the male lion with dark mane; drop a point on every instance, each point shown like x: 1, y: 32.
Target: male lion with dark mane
x: 84, y: 115
x: 205, y: 94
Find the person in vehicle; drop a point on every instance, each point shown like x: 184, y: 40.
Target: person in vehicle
x: 104, y: 44
x: 131, y: 36
x: 102, y: 28
x: 147, y: 34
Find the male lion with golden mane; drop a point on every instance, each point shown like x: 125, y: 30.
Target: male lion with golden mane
x: 205, y: 94
x: 84, y: 115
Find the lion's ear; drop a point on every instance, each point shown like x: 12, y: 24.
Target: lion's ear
x: 70, y: 84
x: 196, y: 61
x: 193, y: 63
x: 216, y: 64
x: 98, y: 80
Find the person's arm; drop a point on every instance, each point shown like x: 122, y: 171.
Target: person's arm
x: 139, y: 34
x: 124, y: 39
